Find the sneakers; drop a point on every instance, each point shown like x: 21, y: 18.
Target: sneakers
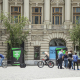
x: 77, y: 69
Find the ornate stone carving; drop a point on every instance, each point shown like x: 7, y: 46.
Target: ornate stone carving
x: 37, y: 37
x: 36, y: 2
x: 16, y: 1
x: 57, y: 2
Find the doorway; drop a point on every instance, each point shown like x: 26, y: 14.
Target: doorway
x: 55, y: 46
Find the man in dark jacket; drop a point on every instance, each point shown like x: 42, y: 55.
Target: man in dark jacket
x: 75, y: 60
x: 2, y: 57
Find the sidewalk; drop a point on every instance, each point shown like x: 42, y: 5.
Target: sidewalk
x: 66, y: 78
x: 36, y: 73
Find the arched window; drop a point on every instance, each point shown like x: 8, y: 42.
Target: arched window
x: 57, y: 42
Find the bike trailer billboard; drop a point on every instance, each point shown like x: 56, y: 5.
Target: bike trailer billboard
x: 16, y: 56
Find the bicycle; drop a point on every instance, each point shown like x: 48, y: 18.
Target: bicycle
x: 4, y: 64
x: 41, y: 64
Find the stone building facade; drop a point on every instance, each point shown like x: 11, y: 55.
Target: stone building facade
x: 49, y: 20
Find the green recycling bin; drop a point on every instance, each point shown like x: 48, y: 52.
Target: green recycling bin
x: 16, y: 56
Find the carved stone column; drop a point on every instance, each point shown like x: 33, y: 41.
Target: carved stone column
x: 67, y: 10
x: 5, y: 7
x: 26, y: 8
x: 47, y: 10
x: 0, y: 9
x: 67, y: 22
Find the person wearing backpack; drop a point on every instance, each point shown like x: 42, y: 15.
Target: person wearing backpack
x: 75, y: 60
x: 66, y: 59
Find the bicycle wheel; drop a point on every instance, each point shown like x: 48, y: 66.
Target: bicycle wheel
x: 4, y: 65
x: 40, y: 64
x: 50, y: 64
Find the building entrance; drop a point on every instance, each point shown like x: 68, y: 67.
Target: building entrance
x: 55, y: 46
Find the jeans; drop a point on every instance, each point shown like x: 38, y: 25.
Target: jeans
x: 60, y: 63
x: 66, y: 63
x: 1, y: 61
x: 77, y: 65
x: 72, y: 64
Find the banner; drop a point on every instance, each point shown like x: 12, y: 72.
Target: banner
x: 16, y: 56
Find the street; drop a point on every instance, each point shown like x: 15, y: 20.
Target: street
x: 34, y: 72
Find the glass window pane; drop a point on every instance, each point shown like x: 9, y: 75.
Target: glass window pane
x: 32, y: 19
x: 60, y: 10
x: 15, y: 8
x: 36, y: 19
x: 56, y: 9
x: 16, y: 19
x: 53, y: 10
x: 36, y: 53
x: 78, y: 18
x: 11, y: 19
x: 32, y: 9
x: 40, y: 9
x: 36, y: 9
x: 19, y: 9
x: 73, y: 9
x: 11, y: 9
x: 74, y: 19
x: 60, y: 19
x: 56, y: 19
x: 77, y: 9
x: 40, y: 19
x: 53, y: 19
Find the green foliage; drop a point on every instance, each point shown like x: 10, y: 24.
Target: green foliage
x: 15, y: 31
x: 75, y: 33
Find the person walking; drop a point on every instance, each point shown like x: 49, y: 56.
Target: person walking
x: 66, y: 59
x: 60, y: 57
x: 70, y: 58
x: 75, y: 60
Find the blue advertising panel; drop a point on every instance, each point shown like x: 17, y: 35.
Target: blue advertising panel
x: 52, y: 52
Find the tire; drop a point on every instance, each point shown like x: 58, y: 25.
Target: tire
x: 50, y: 64
x: 40, y: 64
x: 4, y: 65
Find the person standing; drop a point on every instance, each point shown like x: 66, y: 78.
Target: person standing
x: 75, y: 60
x: 70, y: 58
x: 60, y: 57
x: 66, y: 59
x: 2, y: 57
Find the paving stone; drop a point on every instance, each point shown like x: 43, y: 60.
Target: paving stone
x: 34, y: 72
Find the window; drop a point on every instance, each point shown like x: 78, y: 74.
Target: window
x: 36, y: 52
x: 57, y: 16
x: 57, y: 42
x: 36, y: 15
x: 15, y: 14
x: 76, y: 14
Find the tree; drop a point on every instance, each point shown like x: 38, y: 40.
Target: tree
x: 15, y: 31
x: 75, y: 33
